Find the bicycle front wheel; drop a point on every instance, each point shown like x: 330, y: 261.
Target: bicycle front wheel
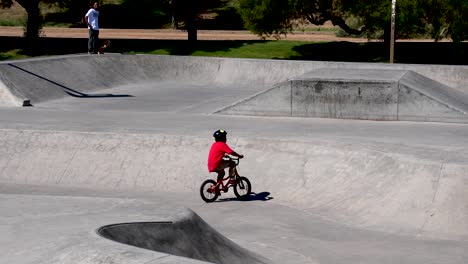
x: 243, y: 188
x: 208, y: 192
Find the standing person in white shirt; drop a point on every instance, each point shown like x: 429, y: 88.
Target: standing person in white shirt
x: 92, y: 19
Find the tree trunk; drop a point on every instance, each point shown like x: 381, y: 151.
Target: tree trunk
x: 33, y: 25
x: 192, y: 28
x: 192, y: 21
x: 192, y: 34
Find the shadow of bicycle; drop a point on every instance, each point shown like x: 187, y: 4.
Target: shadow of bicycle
x: 263, y: 196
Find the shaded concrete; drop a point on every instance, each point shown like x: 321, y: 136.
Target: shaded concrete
x: 188, y: 236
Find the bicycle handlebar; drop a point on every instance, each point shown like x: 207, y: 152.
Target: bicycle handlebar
x: 235, y: 159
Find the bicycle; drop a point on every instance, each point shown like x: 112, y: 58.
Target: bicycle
x: 210, y: 189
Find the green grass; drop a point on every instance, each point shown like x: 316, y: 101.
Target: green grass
x: 12, y: 55
x: 265, y: 50
x: 326, y: 30
x: 14, y: 16
x: 281, y: 49
x: 12, y: 22
x: 258, y: 50
x: 411, y: 52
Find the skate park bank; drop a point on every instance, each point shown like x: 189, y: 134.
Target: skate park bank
x: 137, y: 124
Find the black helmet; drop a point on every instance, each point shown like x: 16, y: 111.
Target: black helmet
x: 219, y: 134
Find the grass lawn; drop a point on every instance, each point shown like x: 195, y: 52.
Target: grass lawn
x: 405, y: 52
x: 234, y: 49
x: 14, y: 16
x: 12, y: 54
x: 281, y: 49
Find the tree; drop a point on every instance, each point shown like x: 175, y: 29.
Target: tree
x: 183, y: 14
x: 34, y: 20
x: 137, y: 14
x: 187, y: 13
x: 276, y: 17
x: 440, y: 18
x: 455, y: 20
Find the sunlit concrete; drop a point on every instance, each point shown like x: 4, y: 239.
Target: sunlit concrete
x: 325, y: 190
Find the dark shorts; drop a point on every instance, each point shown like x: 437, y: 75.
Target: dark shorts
x: 224, y: 164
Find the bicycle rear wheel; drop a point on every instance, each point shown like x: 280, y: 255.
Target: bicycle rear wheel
x: 208, y: 192
x: 243, y: 188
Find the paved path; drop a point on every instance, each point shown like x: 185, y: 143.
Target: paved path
x: 174, y: 34
x: 110, y: 33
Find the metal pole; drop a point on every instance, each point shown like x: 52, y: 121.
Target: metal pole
x: 392, y: 32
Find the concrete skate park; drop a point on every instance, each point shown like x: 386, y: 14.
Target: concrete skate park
x: 103, y: 156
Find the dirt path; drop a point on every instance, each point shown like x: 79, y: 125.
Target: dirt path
x: 325, y: 36
x: 173, y: 34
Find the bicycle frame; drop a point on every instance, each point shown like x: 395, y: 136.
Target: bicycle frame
x: 232, y: 178
x: 210, y: 189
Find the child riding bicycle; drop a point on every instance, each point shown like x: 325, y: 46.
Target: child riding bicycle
x: 218, y: 150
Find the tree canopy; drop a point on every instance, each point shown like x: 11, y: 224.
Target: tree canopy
x: 188, y: 13
x: 34, y: 20
x: 435, y: 18
x: 439, y: 18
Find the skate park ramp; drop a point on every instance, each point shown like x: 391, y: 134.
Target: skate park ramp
x: 126, y: 154
x: 189, y: 236
x: 358, y: 94
x: 34, y: 81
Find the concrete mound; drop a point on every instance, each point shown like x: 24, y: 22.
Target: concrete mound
x: 189, y: 236
x: 358, y: 94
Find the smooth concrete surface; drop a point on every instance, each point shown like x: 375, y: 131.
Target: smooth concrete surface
x: 325, y: 190
x: 358, y: 94
x: 430, y: 100
x: 39, y: 80
x: 63, y: 229
x: 188, y: 236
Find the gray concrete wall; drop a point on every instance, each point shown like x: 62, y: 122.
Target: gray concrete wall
x: 345, y: 99
x: 353, y: 184
x: 45, y: 79
x: 423, y: 99
x: 358, y: 94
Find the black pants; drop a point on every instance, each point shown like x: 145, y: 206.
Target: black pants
x: 93, y: 41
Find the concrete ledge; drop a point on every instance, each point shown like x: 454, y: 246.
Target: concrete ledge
x: 358, y: 94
